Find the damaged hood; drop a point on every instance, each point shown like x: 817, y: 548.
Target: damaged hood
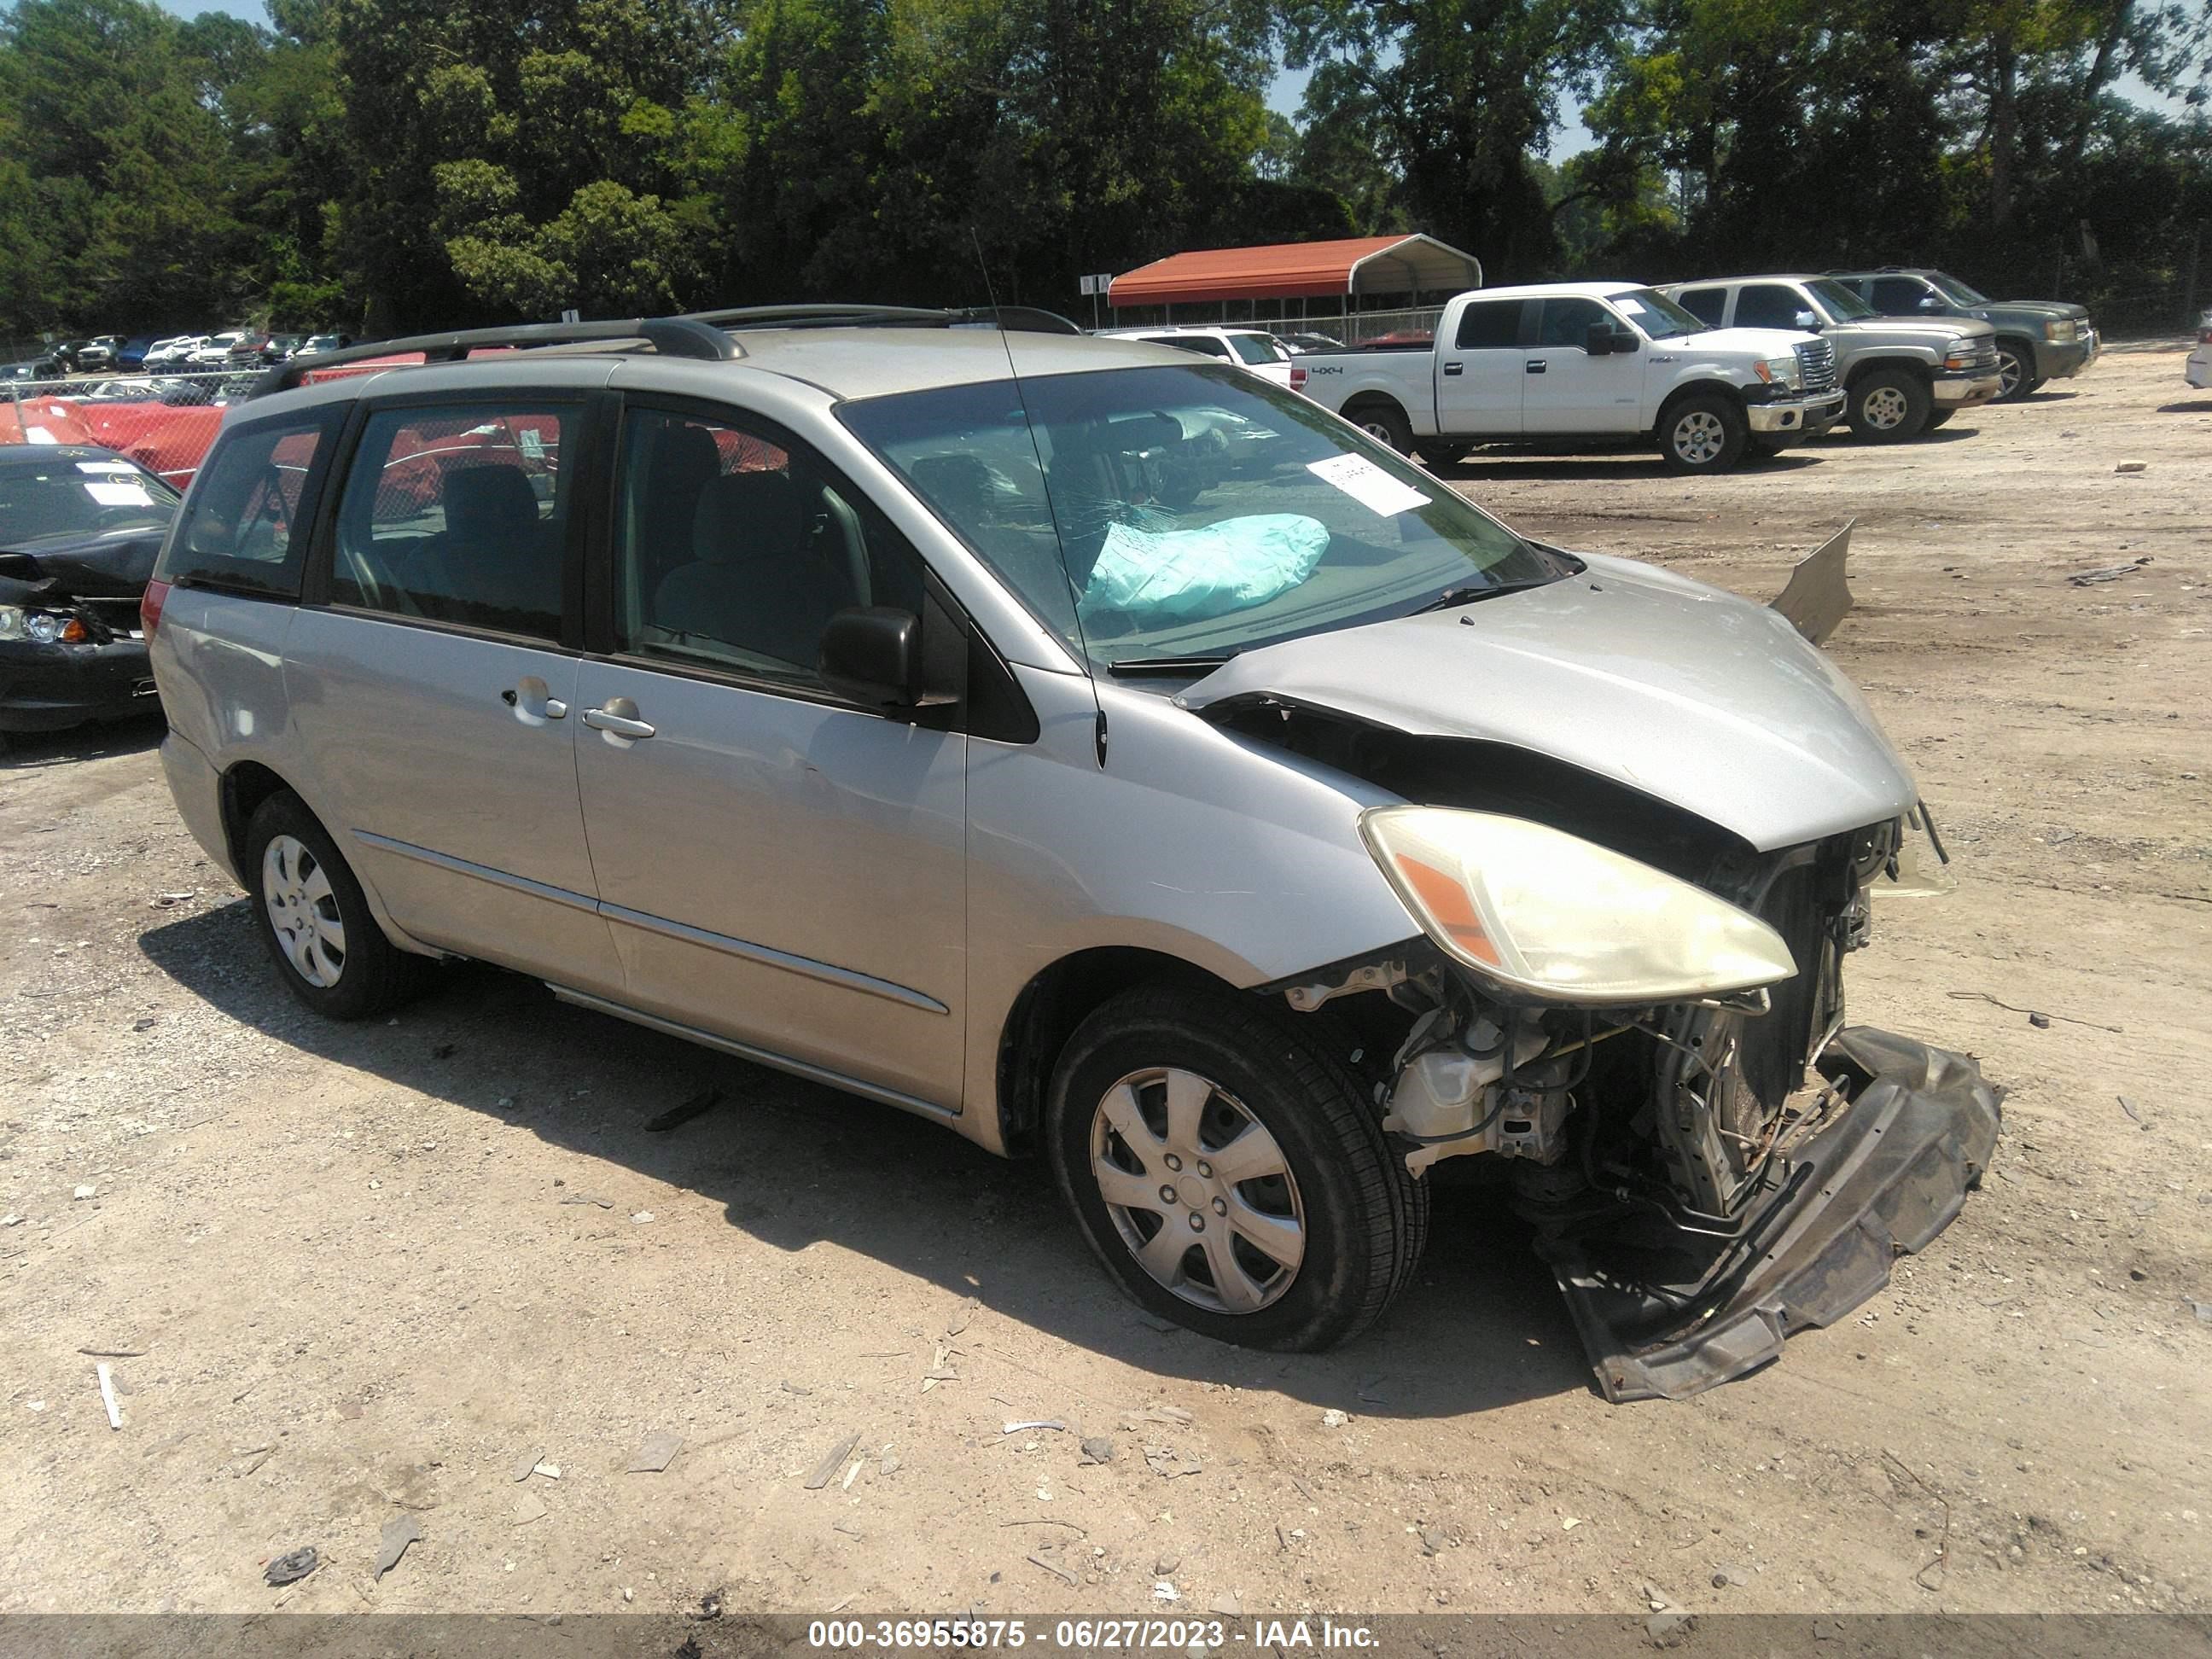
x: 113, y: 566
x: 1664, y: 684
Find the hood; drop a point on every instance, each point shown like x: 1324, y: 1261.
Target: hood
x: 1936, y: 333
x: 1664, y: 684
x: 2038, y: 309
x: 1752, y: 341
x: 85, y: 566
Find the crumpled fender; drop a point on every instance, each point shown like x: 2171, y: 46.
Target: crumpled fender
x: 1665, y: 1313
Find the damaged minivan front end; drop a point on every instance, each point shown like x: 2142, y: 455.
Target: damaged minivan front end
x: 1631, y: 1007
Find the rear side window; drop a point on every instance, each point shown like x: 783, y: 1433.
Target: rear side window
x: 1489, y: 325
x: 244, y: 526
x: 459, y: 513
x: 1707, y: 305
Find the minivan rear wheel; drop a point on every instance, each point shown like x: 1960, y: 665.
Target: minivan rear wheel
x: 1227, y: 1171
x: 314, y: 919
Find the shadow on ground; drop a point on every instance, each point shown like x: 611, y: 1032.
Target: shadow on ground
x: 27, y: 749
x: 792, y: 1162
x: 1509, y: 464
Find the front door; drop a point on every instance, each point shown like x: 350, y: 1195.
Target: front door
x: 779, y: 867
x: 1478, y: 379
x: 434, y: 689
x: 1569, y: 390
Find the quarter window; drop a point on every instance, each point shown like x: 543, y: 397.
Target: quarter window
x: 735, y: 548
x: 1489, y: 325
x: 242, y: 528
x: 458, y: 514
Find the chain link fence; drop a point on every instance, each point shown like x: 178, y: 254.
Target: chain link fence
x: 165, y: 422
x: 1414, y: 325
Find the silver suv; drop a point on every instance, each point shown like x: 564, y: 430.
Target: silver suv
x: 1103, y: 752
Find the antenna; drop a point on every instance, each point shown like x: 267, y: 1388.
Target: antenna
x: 1029, y: 424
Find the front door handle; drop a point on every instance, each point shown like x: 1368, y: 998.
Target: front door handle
x: 1453, y: 368
x: 618, y: 718
x: 1536, y: 365
x: 533, y: 699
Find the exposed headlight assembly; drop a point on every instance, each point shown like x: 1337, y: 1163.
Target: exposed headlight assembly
x: 2059, y: 330
x: 11, y: 622
x: 1559, y: 918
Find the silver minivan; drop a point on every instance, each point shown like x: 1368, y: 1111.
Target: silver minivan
x: 1105, y: 752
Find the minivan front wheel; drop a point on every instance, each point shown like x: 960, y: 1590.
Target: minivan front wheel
x: 1226, y: 1169
x: 313, y: 919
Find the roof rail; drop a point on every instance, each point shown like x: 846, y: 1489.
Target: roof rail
x: 1022, y: 319
x: 672, y: 337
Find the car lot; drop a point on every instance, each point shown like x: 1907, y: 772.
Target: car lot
x: 362, y: 1272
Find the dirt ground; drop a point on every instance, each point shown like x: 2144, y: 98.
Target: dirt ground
x: 362, y: 1274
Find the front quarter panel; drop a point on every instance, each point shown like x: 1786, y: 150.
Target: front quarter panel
x: 1240, y: 860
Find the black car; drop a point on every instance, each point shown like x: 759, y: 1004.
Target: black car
x: 79, y: 528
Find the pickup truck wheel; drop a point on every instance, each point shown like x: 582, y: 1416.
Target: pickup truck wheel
x: 1889, y: 405
x: 2016, y: 375
x: 1385, y: 423
x: 1437, y: 454
x: 1703, y: 433
x: 1228, y: 1169
x: 1937, y: 417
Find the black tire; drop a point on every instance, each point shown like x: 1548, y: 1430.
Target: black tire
x: 1939, y: 416
x: 1386, y: 421
x: 1363, y: 1219
x: 373, y: 974
x: 2016, y: 375
x: 1764, y: 449
x: 1442, y: 454
x: 1890, y: 406
x: 1705, y: 432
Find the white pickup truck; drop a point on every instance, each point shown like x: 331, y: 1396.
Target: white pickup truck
x: 1581, y: 365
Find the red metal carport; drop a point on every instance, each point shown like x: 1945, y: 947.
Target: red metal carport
x: 1342, y: 271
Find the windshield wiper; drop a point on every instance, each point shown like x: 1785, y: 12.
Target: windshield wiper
x: 1452, y: 598
x: 1202, y: 662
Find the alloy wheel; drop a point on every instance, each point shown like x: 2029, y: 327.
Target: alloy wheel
x: 1199, y: 1191
x: 2010, y: 371
x: 1699, y: 437
x: 303, y: 910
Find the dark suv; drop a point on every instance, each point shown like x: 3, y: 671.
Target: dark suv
x: 2038, y: 340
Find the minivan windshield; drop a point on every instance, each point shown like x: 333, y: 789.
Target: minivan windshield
x: 1197, y: 512
x: 1842, y: 304
x: 1659, y: 316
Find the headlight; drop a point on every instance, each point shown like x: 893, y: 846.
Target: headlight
x: 42, y: 628
x: 1563, y: 919
x: 1962, y: 355
x: 2059, y: 330
x: 1777, y: 371
x: 11, y: 622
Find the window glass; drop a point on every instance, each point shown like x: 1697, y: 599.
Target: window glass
x: 44, y: 495
x: 1489, y: 325
x: 1567, y: 321
x: 1659, y: 316
x: 1707, y: 305
x: 241, y: 525
x: 1194, y: 509
x: 1898, y: 296
x: 458, y: 514
x: 1842, y: 301
x: 1769, y: 305
x: 734, y: 549
x: 1204, y: 345
x: 1254, y: 348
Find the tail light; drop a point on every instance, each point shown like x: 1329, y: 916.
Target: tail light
x: 149, y: 606
x: 1298, y: 373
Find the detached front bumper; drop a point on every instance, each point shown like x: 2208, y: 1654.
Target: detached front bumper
x: 1665, y: 1313
x: 1806, y: 417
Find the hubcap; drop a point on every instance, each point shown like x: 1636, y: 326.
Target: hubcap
x: 1699, y: 437
x: 295, y: 890
x: 2008, y: 374
x: 1884, y: 408
x: 1199, y: 1190
x: 1377, y: 429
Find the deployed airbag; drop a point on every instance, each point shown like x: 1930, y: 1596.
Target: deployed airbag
x: 1186, y: 575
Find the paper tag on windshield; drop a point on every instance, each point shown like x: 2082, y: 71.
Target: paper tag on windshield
x: 107, y: 466
x: 1367, y: 483
x: 119, y: 495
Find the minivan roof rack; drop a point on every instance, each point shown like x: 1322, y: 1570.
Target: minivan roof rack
x: 672, y: 337
x: 1021, y: 319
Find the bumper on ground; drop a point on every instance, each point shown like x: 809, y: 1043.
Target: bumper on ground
x: 1789, y: 416
x: 51, y: 688
x: 1665, y: 1313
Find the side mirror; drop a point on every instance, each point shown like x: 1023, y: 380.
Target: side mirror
x: 873, y: 655
x: 1604, y: 339
x: 1808, y: 322
x: 1929, y: 302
